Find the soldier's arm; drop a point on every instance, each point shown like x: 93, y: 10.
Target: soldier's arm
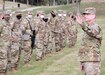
x: 36, y: 27
x: 13, y: 25
x: 26, y: 29
x: 92, y: 32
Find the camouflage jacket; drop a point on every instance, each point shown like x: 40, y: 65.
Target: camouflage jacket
x: 5, y: 32
x: 40, y: 29
x: 91, y: 43
x: 52, y: 23
x: 28, y: 27
x: 59, y: 25
x: 17, y: 28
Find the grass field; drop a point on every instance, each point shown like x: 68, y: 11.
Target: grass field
x: 65, y: 62
x: 12, y: 5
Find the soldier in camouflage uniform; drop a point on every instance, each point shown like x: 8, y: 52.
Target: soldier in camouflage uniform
x: 89, y: 52
x: 40, y: 34
x: 64, y: 29
x: 48, y: 35
x: 5, y: 43
x: 57, y: 32
x: 17, y: 38
x: 51, y: 23
x: 72, y: 30
x: 27, y: 33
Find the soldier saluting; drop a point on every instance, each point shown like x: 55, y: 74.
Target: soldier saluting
x: 89, y: 52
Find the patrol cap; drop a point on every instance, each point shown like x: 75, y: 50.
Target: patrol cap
x: 18, y: 12
x: 53, y: 12
x: 60, y: 11
x: 90, y: 10
x: 8, y: 12
x: 30, y: 12
x: 40, y: 12
x: 64, y: 12
x: 70, y: 14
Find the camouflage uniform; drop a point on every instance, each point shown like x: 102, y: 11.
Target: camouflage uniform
x: 27, y: 33
x: 57, y: 33
x: 17, y: 40
x: 48, y: 36
x: 72, y: 31
x: 64, y: 30
x: 40, y: 34
x: 5, y: 38
x: 89, y: 52
x: 51, y: 23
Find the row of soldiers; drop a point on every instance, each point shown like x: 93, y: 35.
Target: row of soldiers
x: 42, y: 32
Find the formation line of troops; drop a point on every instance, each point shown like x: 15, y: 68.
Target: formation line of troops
x: 21, y: 34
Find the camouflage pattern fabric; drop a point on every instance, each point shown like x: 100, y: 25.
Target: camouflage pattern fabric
x: 40, y: 34
x: 5, y: 36
x: 27, y: 39
x: 91, y: 43
x: 17, y: 41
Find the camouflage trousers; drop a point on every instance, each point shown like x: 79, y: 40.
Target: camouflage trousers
x: 48, y: 44
x: 39, y: 49
x: 72, y: 39
x: 91, y: 68
x: 58, y: 44
x: 63, y: 40
x: 27, y: 50
x: 4, y: 57
x: 15, y: 54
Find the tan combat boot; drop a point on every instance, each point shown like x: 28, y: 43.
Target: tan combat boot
x: 27, y: 64
x: 14, y: 69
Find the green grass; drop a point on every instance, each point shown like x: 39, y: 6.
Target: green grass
x: 12, y: 5
x: 65, y: 62
x: 40, y: 65
x: 72, y: 8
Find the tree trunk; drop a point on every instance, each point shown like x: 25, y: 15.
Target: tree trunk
x: 37, y: 3
x: 53, y: 2
x: 3, y: 5
x: 73, y: 1
x: 67, y: 2
x: 27, y: 2
x: 13, y: 0
x: 78, y: 6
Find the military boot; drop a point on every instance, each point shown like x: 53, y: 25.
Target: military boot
x: 27, y: 64
x: 14, y: 69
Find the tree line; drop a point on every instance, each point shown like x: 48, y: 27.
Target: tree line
x: 45, y: 2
